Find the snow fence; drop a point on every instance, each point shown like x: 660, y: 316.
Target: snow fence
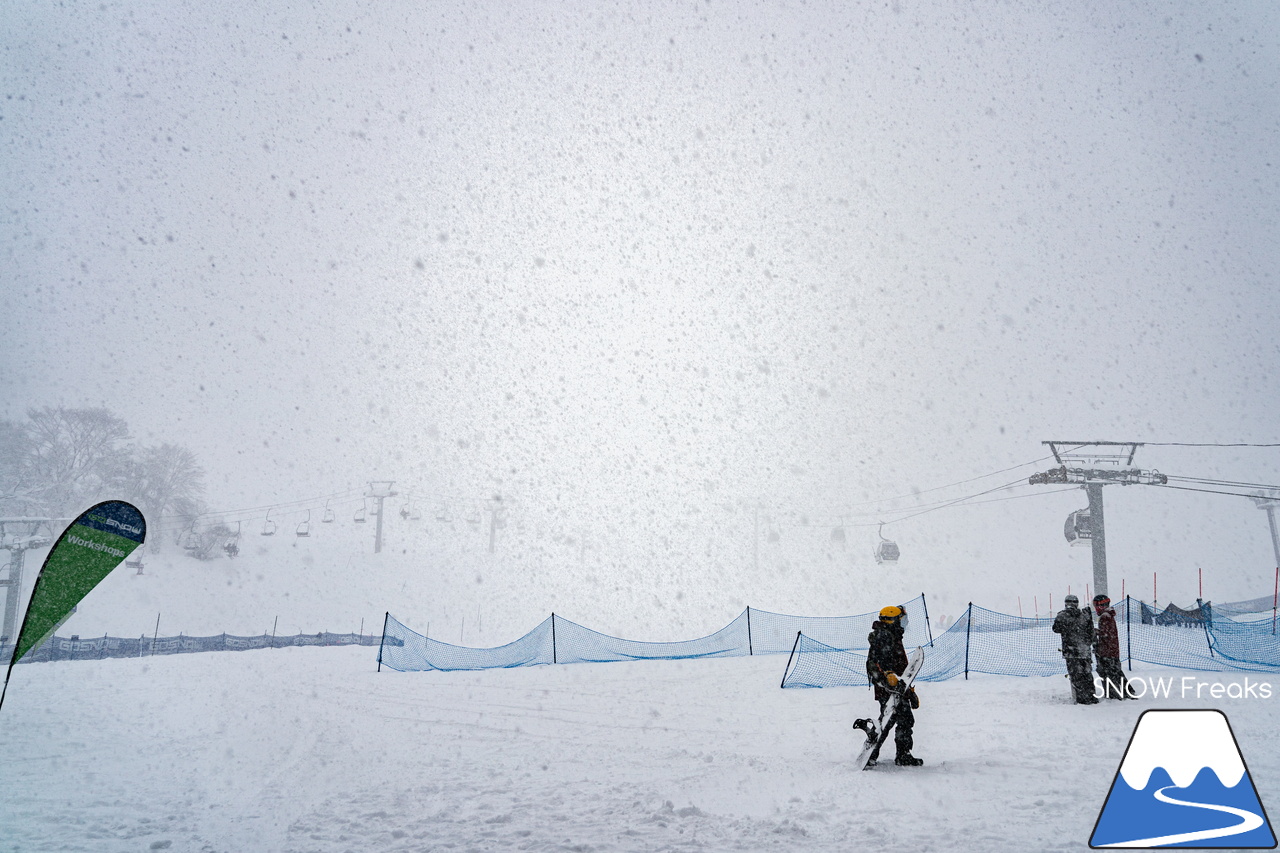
x: 94, y: 648
x: 560, y: 640
x: 994, y: 643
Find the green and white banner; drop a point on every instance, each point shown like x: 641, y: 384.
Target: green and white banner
x: 86, y: 552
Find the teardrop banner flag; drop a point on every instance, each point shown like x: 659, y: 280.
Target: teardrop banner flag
x: 86, y: 552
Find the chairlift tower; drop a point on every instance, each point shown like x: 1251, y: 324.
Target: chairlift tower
x: 1078, y: 461
x: 1269, y: 504
x: 17, y: 546
x: 379, y: 490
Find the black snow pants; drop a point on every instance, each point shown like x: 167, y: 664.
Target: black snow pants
x: 903, y: 722
x: 1081, y: 675
x: 1114, y: 683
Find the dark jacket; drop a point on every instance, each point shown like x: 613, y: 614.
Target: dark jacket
x: 886, y: 654
x: 1106, y: 639
x: 1076, y: 627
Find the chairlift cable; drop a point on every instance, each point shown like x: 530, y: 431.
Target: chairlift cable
x: 1205, y: 444
x: 1206, y: 491
x: 939, y: 505
x: 951, y: 485
x: 957, y: 501
x: 1210, y: 482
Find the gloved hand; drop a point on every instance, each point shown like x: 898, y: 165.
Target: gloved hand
x: 892, y: 678
x: 913, y: 699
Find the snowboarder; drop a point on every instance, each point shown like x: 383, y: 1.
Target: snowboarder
x: 1106, y: 647
x: 886, y: 660
x: 1076, y: 627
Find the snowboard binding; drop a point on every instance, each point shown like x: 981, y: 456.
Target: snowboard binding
x: 867, y: 727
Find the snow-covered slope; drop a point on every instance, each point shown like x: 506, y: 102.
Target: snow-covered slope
x: 312, y: 750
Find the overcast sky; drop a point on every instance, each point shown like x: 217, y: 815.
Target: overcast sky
x: 639, y: 265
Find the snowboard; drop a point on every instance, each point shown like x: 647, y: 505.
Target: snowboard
x: 877, y: 731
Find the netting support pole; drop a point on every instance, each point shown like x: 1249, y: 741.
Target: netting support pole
x: 968, y: 629
x: 790, y: 658
x: 929, y: 627
x: 555, y: 658
x: 750, y: 647
x: 1128, y: 631
x: 1204, y: 623
x: 383, y: 641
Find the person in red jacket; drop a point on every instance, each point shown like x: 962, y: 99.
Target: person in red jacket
x: 1106, y: 648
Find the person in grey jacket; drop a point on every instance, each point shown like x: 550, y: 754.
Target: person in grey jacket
x: 1076, y: 628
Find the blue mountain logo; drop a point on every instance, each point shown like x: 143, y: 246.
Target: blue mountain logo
x: 1183, y: 783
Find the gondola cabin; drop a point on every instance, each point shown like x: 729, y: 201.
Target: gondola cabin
x: 887, y: 551
x: 1079, y: 528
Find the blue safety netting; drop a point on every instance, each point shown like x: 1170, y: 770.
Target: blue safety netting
x: 1246, y: 645
x: 560, y: 640
x: 995, y: 643
x: 94, y: 648
x: 576, y: 644
x: 408, y: 651
x: 775, y: 633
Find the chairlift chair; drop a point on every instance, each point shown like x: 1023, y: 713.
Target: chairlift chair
x: 190, y: 540
x: 473, y: 518
x: 328, y: 516
x: 304, y: 529
x: 887, y: 551
x: 268, y: 526
x: 230, y: 547
x: 359, y: 517
x: 1079, y: 527
x: 837, y: 534
x: 442, y: 514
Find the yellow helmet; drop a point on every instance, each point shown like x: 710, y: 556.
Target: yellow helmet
x: 890, y: 612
